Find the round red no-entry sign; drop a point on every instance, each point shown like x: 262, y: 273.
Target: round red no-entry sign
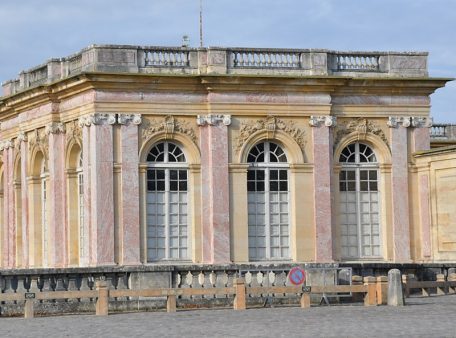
x: 297, y: 276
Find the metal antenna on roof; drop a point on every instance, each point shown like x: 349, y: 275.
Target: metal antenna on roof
x: 201, y: 23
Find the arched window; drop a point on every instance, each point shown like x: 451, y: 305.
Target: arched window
x: 267, y: 185
x: 80, y: 190
x: 44, y: 211
x: 359, y: 202
x: 167, y: 201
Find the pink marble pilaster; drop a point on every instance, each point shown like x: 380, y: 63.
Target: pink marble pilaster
x: 84, y: 259
x: 9, y: 226
x: 130, y: 225
x: 400, y: 194
x: 102, y: 193
x: 24, y: 201
x: 322, y: 154
x: 58, y: 232
x: 215, y: 188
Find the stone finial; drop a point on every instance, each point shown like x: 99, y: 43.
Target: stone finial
x: 396, y: 121
x: 212, y: 120
x: 328, y: 121
x: 395, y: 294
x: 55, y: 128
x: 421, y: 122
x: 129, y: 118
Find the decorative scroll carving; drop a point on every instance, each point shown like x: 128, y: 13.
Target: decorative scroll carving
x: 169, y: 125
x: 212, y: 120
x: 395, y: 121
x: 129, y: 118
x: 362, y: 127
x: 39, y: 138
x: 73, y: 132
x: 422, y: 122
x: 6, y: 144
x: 97, y: 119
x: 270, y: 124
x: 22, y: 137
x: 55, y: 128
x: 328, y: 121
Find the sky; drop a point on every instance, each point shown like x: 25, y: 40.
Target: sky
x: 33, y: 31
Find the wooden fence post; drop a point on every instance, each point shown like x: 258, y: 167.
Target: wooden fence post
x: 357, y: 280
x: 103, y: 298
x: 370, y: 299
x: 171, y: 302
x: 239, y: 298
x: 382, y: 290
x: 440, y: 290
x: 28, y: 308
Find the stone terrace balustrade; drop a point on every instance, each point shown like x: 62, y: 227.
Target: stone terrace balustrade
x: 217, y: 60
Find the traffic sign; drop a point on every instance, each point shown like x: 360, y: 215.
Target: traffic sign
x: 297, y: 276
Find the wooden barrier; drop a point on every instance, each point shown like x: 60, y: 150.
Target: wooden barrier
x: 440, y: 286
x: 239, y: 291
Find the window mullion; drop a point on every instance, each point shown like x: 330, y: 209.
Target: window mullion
x: 358, y: 211
x: 267, y: 212
x: 167, y: 211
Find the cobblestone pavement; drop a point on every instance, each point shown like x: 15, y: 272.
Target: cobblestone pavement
x: 422, y: 317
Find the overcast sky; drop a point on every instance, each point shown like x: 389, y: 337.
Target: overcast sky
x: 33, y: 31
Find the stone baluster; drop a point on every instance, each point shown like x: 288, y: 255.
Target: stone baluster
x: 215, y: 188
x: 323, y: 154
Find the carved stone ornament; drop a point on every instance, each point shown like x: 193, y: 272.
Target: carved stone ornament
x: 396, y: 121
x: 328, y: 121
x: 169, y: 125
x: 39, y: 138
x: 97, y: 119
x: 421, y: 122
x: 55, y: 128
x: 129, y: 118
x: 6, y: 144
x: 73, y: 131
x: 212, y: 120
x: 22, y: 137
x: 270, y: 124
x: 362, y: 127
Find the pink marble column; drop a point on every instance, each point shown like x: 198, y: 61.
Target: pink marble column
x: 215, y: 188
x: 399, y: 191
x: 86, y: 252
x: 421, y: 141
x: 130, y: 225
x: 58, y: 231
x: 9, y: 226
x: 22, y: 140
x: 102, y: 189
x: 322, y: 154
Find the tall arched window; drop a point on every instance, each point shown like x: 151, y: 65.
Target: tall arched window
x: 167, y: 203
x: 359, y: 202
x: 267, y: 185
x: 44, y: 211
x: 82, y: 235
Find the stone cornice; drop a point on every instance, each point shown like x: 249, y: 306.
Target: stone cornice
x: 328, y: 121
x: 213, y: 120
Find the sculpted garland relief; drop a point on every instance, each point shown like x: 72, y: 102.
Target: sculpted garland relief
x: 169, y: 125
x: 362, y: 127
x: 270, y: 125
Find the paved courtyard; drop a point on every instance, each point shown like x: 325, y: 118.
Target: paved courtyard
x: 423, y: 317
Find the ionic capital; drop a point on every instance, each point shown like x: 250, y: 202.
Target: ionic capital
x: 213, y: 120
x: 421, y: 122
x: 6, y: 144
x: 22, y: 137
x: 396, y: 121
x: 129, y: 118
x: 55, y: 128
x: 328, y: 121
x: 97, y: 119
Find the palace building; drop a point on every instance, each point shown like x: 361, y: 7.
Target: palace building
x: 154, y: 157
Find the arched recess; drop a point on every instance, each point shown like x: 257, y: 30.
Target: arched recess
x: 38, y: 182
x: 193, y: 162
x: 294, y: 152
x: 17, y: 179
x: 377, y: 173
x: 77, y: 235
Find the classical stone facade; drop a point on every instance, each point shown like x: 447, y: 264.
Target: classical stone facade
x: 132, y: 156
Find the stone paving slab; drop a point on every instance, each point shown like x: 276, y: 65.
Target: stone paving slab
x: 423, y: 317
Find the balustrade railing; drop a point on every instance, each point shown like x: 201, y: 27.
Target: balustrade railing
x: 75, y: 64
x: 251, y: 58
x: 167, y: 57
x: 358, y: 62
x: 439, y: 130
x: 38, y: 76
